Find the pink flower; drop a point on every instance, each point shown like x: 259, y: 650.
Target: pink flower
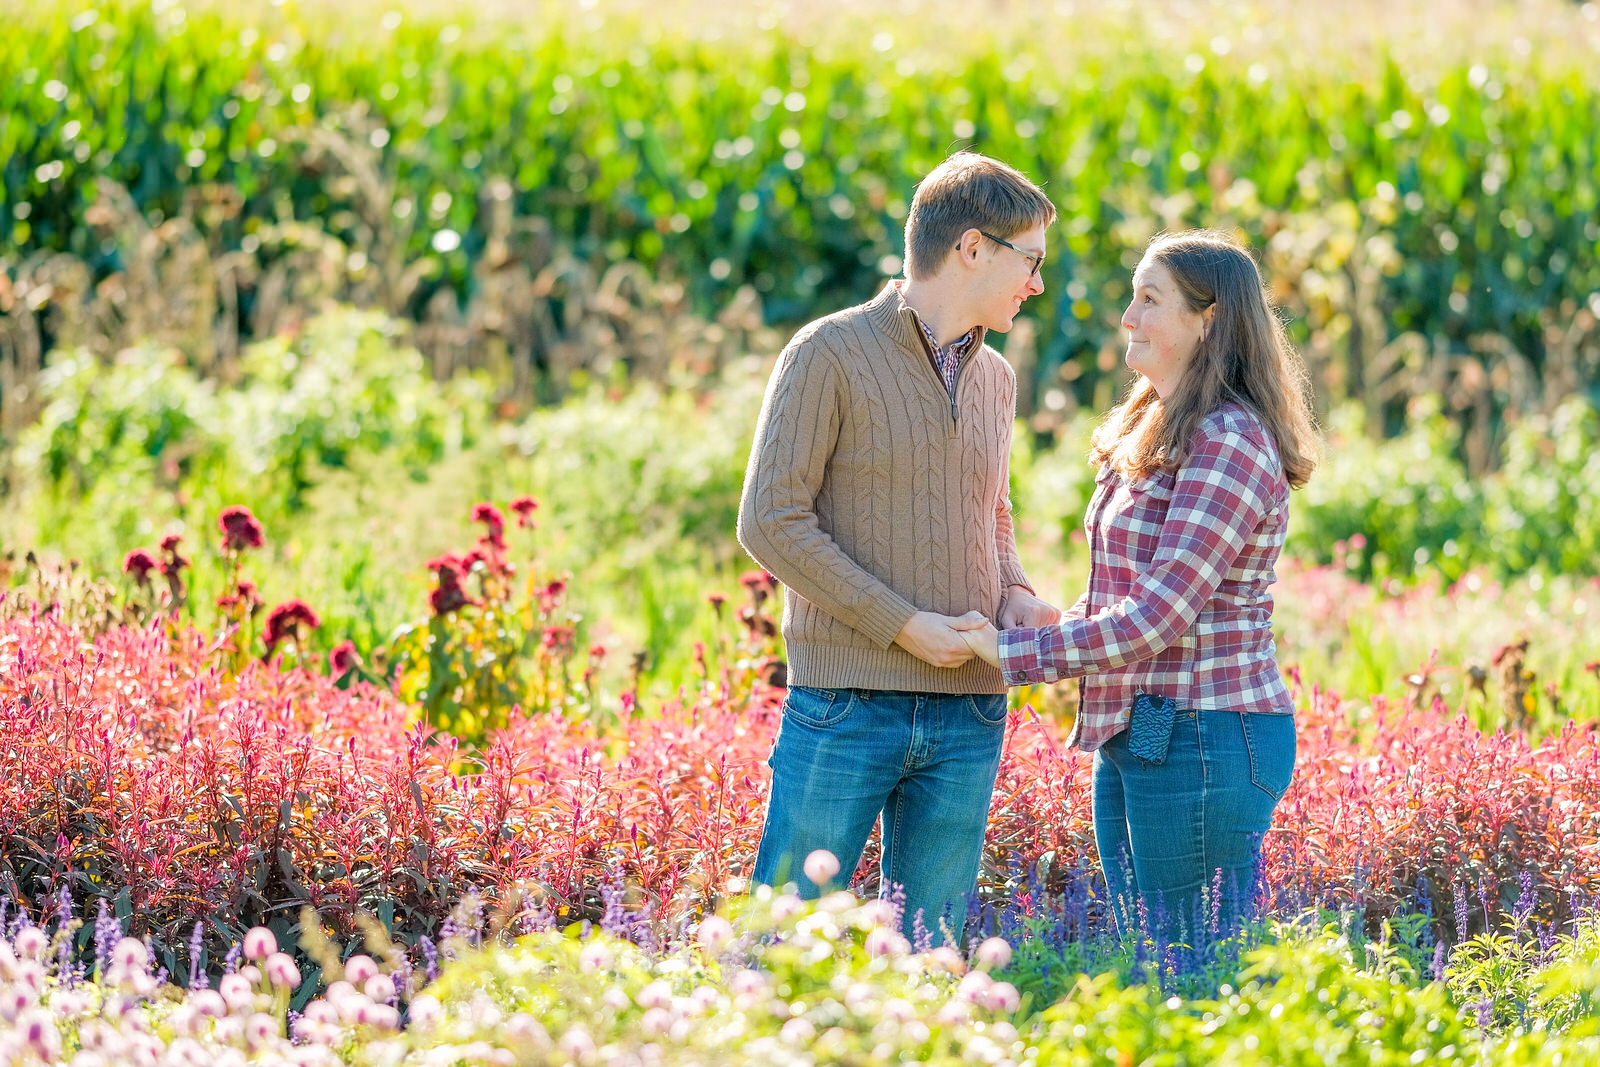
x: 259, y: 943
x: 357, y: 969
x: 495, y: 520
x: 993, y: 954
x: 821, y: 866
x: 343, y: 659
x: 139, y: 563
x: 524, y: 507
x: 285, y: 620
x: 761, y: 584
x: 715, y: 933
x: 240, y: 530
x: 448, y: 596
x: 281, y: 970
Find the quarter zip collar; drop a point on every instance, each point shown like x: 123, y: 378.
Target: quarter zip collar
x: 890, y: 312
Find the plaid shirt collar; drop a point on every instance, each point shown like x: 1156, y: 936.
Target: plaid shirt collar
x: 948, y: 358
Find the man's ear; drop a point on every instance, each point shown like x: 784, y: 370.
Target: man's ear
x: 967, y: 246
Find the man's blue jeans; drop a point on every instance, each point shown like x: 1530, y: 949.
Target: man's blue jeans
x: 1180, y: 841
x: 927, y: 761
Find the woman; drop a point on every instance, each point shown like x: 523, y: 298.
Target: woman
x: 1175, y: 630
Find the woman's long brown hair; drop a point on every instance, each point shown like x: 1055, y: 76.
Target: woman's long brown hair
x: 1245, y: 357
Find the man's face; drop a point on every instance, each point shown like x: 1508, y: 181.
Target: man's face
x: 1006, y: 277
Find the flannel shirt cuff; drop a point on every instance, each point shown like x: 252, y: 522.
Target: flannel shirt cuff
x: 1019, y: 655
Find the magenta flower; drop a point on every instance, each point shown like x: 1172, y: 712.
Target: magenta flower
x: 139, y: 563
x: 493, y: 518
x: 524, y: 507
x: 240, y: 530
x: 343, y: 659
x: 448, y: 596
x: 285, y: 620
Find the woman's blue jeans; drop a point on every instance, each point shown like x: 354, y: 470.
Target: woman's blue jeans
x: 926, y: 761
x: 1180, y: 841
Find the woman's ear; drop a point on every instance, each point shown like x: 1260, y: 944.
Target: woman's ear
x: 1206, y: 316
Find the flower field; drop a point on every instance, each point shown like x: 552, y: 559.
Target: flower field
x: 381, y: 682
x: 177, y: 784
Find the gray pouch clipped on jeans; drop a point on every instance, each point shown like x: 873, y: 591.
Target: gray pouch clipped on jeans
x: 1150, y: 727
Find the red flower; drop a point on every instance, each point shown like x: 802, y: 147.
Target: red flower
x: 491, y: 517
x: 343, y: 659
x: 448, y: 596
x: 240, y: 529
x: 174, y: 562
x: 139, y: 563
x: 550, y: 596
x: 559, y: 639
x: 760, y: 583
x: 524, y: 507
x: 285, y: 620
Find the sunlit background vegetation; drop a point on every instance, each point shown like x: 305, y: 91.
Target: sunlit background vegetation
x: 361, y: 267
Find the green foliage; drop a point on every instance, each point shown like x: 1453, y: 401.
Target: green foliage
x: 1443, y: 189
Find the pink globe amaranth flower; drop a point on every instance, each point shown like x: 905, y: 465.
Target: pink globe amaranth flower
x: 357, y: 969
x: 380, y: 987
x: 343, y: 659
x: 260, y: 1029
x: 139, y: 563
x: 524, y: 507
x: 31, y: 942
x: 237, y: 991
x: 259, y: 943
x: 130, y: 953
x: 821, y: 866
x: 1001, y: 997
x: 595, y: 956
x: 240, y: 530
x: 993, y: 954
x: 282, y: 971
x: 715, y: 933
x: 881, y: 941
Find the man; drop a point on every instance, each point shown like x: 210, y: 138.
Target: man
x: 877, y: 494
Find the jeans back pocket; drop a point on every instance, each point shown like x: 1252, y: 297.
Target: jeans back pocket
x: 1271, y: 743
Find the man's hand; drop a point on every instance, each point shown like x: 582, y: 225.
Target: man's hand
x: 984, y: 642
x: 937, y: 639
x: 1022, y: 608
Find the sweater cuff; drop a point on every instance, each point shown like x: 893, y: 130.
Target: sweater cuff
x: 882, y: 619
x: 1011, y: 574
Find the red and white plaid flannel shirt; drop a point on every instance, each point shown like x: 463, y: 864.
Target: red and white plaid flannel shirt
x: 1177, y: 605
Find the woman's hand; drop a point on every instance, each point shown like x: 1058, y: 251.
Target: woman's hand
x: 985, y: 643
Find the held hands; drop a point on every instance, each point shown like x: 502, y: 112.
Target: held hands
x: 1022, y: 608
x: 942, y: 640
x: 984, y: 641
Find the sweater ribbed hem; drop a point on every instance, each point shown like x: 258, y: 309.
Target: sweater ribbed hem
x: 848, y: 667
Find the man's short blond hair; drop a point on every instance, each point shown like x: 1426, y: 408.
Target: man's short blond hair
x: 969, y: 191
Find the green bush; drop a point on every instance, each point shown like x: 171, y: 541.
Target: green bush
x: 1442, y: 189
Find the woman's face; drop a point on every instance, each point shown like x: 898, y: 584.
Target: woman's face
x: 1163, y: 333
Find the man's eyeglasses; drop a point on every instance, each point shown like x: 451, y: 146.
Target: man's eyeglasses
x: 1036, y: 260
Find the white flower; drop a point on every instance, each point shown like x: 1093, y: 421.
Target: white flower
x: 799, y: 1031
x: 993, y: 954
x: 259, y: 943
x: 357, y: 969
x: 595, y: 956
x: 822, y: 866
x: 715, y: 933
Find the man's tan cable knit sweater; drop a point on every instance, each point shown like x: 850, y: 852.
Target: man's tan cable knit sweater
x: 872, y: 495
